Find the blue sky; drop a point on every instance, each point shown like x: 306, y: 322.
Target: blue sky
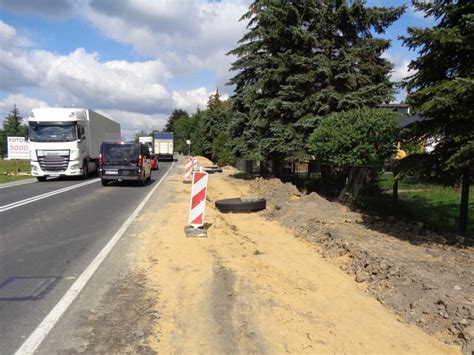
x: 133, y: 60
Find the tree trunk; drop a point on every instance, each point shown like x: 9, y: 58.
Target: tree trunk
x: 358, y: 177
x: 324, y: 179
x: 464, y: 203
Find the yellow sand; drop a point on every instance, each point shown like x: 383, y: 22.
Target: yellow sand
x: 251, y: 287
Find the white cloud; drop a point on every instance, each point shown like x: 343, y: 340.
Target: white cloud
x: 400, y: 70
x: 23, y: 103
x: 180, y: 36
x: 192, y: 99
x: 9, y: 37
x: 186, y: 35
x: 80, y: 78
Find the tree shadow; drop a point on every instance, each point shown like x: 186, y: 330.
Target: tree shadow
x: 418, y: 220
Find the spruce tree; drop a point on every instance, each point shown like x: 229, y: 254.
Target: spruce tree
x: 442, y: 90
x: 299, y: 61
x: 12, y: 127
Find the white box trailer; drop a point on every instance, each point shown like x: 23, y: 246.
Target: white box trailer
x: 66, y: 141
x: 163, y: 145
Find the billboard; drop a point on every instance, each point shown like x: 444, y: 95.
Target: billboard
x: 18, y: 148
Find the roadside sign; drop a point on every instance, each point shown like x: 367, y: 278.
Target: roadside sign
x: 197, y: 204
x: 18, y: 148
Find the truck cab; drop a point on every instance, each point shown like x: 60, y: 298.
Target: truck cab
x: 66, y: 141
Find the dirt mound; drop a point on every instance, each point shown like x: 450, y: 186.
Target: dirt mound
x: 405, y: 266
x: 203, y: 161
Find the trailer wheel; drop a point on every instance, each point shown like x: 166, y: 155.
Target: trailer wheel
x: 237, y: 205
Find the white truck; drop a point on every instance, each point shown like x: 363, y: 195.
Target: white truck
x: 163, y: 145
x: 148, y: 141
x: 66, y: 141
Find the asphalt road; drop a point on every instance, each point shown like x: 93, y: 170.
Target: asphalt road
x: 46, y: 244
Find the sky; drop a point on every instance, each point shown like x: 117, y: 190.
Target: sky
x: 134, y: 60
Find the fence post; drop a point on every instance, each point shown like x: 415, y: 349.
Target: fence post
x: 464, y: 202
x: 395, y: 189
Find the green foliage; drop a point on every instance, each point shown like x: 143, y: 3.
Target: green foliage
x: 363, y: 137
x: 443, y: 86
x: 175, y: 116
x: 435, y: 205
x: 299, y: 61
x: 12, y: 127
x: 222, y: 150
x: 207, y: 130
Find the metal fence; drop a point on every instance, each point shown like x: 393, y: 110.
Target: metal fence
x: 278, y: 168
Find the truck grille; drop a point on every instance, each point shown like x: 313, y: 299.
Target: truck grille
x: 54, y: 162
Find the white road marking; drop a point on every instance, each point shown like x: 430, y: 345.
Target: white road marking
x: 39, y: 334
x: 45, y: 195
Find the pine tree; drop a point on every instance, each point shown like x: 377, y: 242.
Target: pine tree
x: 442, y: 89
x: 12, y: 127
x: 299, y: 61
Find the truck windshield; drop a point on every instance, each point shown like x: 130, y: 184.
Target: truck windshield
x: 52, y: 131
x: 120, y: 153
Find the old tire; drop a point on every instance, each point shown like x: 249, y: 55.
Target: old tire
x: 237, y: 205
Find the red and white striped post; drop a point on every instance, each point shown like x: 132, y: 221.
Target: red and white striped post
x: 198, y: 199
x: 188, y: 169
x: 195, y: 164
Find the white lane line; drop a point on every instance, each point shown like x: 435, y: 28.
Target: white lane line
x: 40, y: 333
x: 16, y: 183
x: 45, y: 195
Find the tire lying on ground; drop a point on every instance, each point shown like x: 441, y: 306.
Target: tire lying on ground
x: 212, y: 169
x: 239, y: 205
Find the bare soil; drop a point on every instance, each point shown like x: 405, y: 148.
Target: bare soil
x: 403, y: 265
x: 304, y: 276
x: 251, y: 287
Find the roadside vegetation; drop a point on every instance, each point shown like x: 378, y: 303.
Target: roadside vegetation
x: 435, y: 205
x: 9, y: 167
x: 308, y: 83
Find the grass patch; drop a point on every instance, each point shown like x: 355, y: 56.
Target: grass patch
x: 9, y: 166
x: 436, y: 206
x: 385, y: 182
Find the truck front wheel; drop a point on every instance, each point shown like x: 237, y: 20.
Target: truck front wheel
x: 85, y: 170
x: 41, y: 178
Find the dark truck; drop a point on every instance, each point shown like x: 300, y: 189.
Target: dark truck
x: 124, y: 161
